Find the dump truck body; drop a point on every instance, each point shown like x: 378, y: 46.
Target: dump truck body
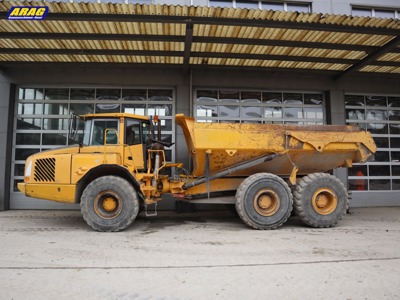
x: 316, y: 148
x: 120, y: 167
x: 303, y: 149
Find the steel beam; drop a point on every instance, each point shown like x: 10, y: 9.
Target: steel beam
x: 371, y: 58
x: 92, y: 36
x: 188, y: 47
x: 182, y: 39
x: 274, y: 57
x: 282, y: 43
x: 385, y: 63
x: 88, y: 52
x: 200, y: 67
x: 186, y: 54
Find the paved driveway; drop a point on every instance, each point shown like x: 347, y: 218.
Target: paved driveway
x: 202, y: 255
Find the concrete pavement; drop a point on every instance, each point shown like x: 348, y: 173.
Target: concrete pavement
x: 201, y: 255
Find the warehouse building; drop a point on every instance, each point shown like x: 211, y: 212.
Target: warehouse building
x: 304, y: 62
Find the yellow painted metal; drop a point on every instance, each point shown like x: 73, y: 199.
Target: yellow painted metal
x: 319, y: 140
x: 324, y: 201
x: 304, y: 149
x: 293, y: 175
x: 175, y: 187
x: 91, y: 157
x: 310, y: 149
x: 176, y: 165
x: 133, y: 157
x: 109, y: 204
x: 49, y: 191
x: 62, y: 168
x: 266, y: 202
x: 217, y: 185
x: 115, y: 115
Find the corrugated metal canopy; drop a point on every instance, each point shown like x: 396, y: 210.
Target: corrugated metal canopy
x: 200, y: 36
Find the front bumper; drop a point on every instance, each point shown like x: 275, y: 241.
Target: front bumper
x: 64, y: 193
x: 21, y: 187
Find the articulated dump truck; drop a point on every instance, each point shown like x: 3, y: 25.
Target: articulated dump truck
x: 266, y: 171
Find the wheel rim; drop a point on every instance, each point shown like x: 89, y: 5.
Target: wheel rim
x: 266, y: 202
x: 108, y: 205
x: 324, y: 201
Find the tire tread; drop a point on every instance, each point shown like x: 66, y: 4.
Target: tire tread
x: 99, y: 182
x: 299, y: 191
x: 242, y: 190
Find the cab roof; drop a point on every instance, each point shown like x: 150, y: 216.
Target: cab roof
x: 115, y: 115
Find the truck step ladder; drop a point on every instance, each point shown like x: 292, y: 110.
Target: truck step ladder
x: 152, y: 214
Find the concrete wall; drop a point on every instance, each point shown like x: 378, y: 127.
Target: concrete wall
x: 319, y: 6
x: 5, y: 136
x: 339, y: 7
x: 343, y: 7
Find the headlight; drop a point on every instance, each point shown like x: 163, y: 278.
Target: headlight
x: 28, y: 169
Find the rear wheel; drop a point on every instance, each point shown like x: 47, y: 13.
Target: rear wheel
x: 109, y: 203
x: 320, y: 200
x: 264, y: 201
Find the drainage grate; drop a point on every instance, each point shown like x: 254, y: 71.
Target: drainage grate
x: 45, y: 170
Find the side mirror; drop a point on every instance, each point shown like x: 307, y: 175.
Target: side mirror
x: 73, y: 126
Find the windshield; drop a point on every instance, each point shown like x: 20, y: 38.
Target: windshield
x: 86, y: 135
x: 99, y: 130
x: 77, y: 128
x: 93, y: 130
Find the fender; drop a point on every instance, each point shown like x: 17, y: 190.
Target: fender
x: 106, y: 170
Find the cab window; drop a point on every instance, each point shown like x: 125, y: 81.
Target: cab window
x: 135, y: 132
x: 99, y: 129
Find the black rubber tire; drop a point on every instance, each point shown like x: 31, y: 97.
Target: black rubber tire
x: 117, y: 188
x: 304, y: 192
x: 246, y: 196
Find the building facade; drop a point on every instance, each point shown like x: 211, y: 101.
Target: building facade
x: 207, y: 67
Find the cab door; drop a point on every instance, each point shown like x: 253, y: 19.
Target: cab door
x: 134, y: 155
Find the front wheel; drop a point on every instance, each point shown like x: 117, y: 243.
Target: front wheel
x: 264, y: 201
x: 109, y: 203
x: 320, y: 200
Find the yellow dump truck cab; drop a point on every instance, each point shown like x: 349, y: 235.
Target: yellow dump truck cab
x: 110, y: 173
x: 112, y: 144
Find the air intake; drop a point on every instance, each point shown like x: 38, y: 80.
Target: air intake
x: 45, y: 170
